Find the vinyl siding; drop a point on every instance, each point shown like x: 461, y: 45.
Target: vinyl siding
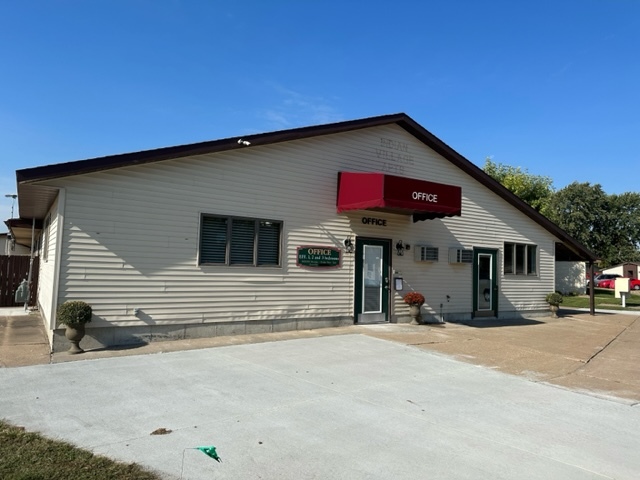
x: 131, y: 234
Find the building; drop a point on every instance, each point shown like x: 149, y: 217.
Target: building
x: 310, y: 227
x: 8, y: 246
x: 628, y: 269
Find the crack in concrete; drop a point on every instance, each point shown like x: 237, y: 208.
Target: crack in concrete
x: 586, y: 362
x: 610, y: 342
x: 441, y: 342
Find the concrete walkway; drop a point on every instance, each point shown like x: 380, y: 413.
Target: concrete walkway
x: 22, y: 339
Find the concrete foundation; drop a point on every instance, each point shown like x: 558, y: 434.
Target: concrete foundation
x: 103, y: 337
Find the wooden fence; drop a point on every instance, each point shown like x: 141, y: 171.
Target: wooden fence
x: 13, y: 270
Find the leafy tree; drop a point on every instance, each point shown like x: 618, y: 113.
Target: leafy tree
x: 625, y: 231
x: 536, y: 190
x: 581, y: 210
x: 609, y: 225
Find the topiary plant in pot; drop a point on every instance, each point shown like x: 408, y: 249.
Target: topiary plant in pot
x: 554, y: 299
x: 74, y: 314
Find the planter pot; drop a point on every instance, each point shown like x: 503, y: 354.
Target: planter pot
x: 74, y: 334
x: 554, y: 310
x: 414, y: 311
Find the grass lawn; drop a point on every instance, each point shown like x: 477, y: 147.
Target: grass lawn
x: 605, y: 300
x: 30, y: 456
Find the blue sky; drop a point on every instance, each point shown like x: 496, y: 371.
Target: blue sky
x: 549, y: 86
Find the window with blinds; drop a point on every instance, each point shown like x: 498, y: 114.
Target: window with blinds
x: 240, y: 241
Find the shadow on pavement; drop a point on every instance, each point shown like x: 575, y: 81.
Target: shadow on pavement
x: 493, y: 322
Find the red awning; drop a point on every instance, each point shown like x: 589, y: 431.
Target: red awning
x: 388, y: 193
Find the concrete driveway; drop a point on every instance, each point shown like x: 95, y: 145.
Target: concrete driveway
x: 348, y: 406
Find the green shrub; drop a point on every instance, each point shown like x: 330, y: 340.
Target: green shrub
x: 554, y: 298
x: 74, y: 312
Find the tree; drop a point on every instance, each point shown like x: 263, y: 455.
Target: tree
x: 536, y: 190
x: 625, y: 230
x: 609, y: 225
x: 581, y: 210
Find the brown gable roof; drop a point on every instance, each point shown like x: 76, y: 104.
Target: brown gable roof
x: 35, y: 200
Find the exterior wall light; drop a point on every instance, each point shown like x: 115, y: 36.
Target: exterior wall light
x: 348, y: 245
x: 401, y: 247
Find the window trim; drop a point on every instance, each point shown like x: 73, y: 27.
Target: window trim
x: 229, y: 238
x: 510, y: 250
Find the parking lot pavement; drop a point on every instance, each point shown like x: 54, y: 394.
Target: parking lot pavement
x: 599, y: 355
x: 342, y: 406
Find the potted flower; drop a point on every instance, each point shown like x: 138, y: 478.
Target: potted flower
x: 415, y: 300
x: 554, y: 299
x: 74, y: 314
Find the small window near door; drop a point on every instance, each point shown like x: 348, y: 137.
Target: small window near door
x: 520, y: 259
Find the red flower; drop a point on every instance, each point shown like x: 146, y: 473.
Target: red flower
x: 414, y: 298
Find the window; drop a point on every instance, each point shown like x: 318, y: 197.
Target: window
x: 45, y: 238
x: 520, y: 259
x: 240, y: 241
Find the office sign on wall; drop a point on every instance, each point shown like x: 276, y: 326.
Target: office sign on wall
x: 318, y: 257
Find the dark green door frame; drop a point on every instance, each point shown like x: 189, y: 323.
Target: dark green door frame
x: 485, y: 282
x: 372, y: 279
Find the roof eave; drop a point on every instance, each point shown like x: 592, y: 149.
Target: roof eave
x: 30, y: 176
x: 480, y: 175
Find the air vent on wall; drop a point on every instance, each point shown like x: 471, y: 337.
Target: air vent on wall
x: 424, y: 253
x: 460, y: 255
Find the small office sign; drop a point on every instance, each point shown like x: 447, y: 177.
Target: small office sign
x: 318, y: 257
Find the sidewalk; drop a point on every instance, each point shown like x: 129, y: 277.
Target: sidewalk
x: 22, y: 339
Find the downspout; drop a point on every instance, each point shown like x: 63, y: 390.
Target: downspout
x: 33, y: 230
x: 592, y: 297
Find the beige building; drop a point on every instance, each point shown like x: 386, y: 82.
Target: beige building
x: 304, y: 228
x: 9, y: 247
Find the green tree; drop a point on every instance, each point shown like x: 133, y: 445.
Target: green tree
x: 609, y: 225
x: 625, y: 228
x: 581, y: 210
x: 536, y: 190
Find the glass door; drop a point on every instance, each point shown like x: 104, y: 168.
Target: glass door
x: 372, y: 281
x: 485, y: 285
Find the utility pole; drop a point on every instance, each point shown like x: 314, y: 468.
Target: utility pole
x: 13, y: 197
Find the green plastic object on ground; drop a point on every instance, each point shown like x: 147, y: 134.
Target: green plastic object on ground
x: 211, y: 452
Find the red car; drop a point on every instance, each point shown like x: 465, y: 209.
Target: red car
x: 609, y: 283
x: 634, y: 283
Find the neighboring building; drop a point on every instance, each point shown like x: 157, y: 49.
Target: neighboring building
x: 629, y: 269
x: 571, y: 278
x: 9, y: 247
x: 297, y: 229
